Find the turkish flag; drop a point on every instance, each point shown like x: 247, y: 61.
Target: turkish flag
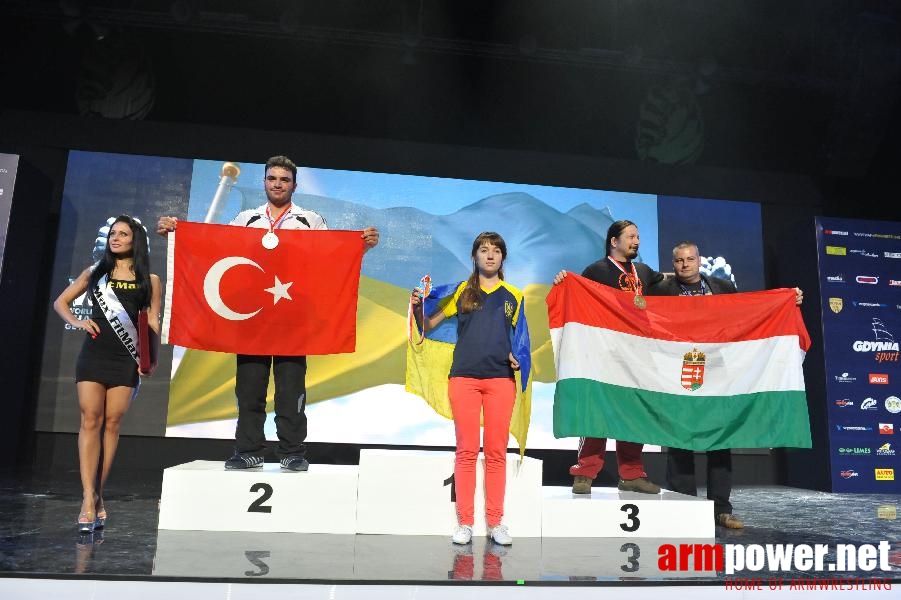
x: 228, y: 293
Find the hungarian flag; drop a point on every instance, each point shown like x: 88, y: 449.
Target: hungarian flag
x: 698, y: 372
x: 227, y: 293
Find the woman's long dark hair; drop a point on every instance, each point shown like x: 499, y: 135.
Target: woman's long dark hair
x: 140, y: 260
x: 615, y: 230
x: 471, y: 298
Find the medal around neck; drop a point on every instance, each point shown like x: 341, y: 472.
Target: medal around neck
x: 270, y: 240
x: 640, y: 302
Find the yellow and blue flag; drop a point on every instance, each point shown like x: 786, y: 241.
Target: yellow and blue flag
x: 429, y: 363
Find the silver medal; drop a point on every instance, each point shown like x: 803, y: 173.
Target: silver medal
x: 270, y: 241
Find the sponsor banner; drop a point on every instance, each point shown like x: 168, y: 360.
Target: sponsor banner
x: 885, y: 449
x: 893, y: 404
x: 861, y: 348
x: 885, y: 474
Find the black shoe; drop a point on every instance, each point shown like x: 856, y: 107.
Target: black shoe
x: 295, y: 463
x: 242, y: 460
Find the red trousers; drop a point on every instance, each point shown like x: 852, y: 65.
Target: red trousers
x: 591, y: 458
x: 469, y: 399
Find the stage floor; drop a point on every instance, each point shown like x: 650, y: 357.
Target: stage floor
x: 39, y: 541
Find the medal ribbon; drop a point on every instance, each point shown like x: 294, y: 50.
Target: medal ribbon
x: 426, y: 283
x: 636, y: 282
x: 273, y: 225
x: 689, y: 292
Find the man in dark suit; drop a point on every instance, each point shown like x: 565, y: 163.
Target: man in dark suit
x: 680, y: 463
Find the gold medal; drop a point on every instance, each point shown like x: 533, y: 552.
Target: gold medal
x: 640, y: 302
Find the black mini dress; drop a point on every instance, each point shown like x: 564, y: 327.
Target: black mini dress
x: 104, y: 359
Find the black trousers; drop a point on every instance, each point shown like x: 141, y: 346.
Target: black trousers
x: 251, y: 381
x: 680, y: 476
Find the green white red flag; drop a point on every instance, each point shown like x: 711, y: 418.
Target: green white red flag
x: 694, y: 372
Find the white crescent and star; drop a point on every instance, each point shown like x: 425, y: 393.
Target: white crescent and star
x: 213, y: 279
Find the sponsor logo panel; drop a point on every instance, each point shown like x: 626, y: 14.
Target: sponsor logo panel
x: 867, y: 279
x: 884, y: 236
x: 836, y: 305
x: 845, y: 378
x: 854, y: 451
x: 892, y: 254
x: 884, y: 450
x: 887, y: 429
x: 882, y: 343
x: 848, y: 473
x: 863, y: 252
x: 868, y: 404
x: 893, y: 404
x: 840, y: 278
x: 878, y: 378
x: 843, y: 403
x: 859, y: 304
x: 834, y: 232
x: 853, y: 428
x: 837, y: 250
x: 885, y: 474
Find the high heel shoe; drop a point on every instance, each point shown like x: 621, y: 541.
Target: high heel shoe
x: 100, y: 519
x: 86, y: 522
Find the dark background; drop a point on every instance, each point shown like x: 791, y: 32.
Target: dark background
x: 793, y: 105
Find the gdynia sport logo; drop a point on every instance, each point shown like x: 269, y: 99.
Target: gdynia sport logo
x: 776, y: 558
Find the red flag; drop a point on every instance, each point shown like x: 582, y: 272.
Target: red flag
x: 228, y: 293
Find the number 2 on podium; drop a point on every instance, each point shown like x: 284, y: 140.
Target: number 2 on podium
x: 257, y: 505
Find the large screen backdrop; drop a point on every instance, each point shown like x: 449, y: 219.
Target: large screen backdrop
x: 860, y: 285
x: 427, y: 225
x: 9, y: 166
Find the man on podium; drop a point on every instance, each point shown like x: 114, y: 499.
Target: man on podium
x: 618, y: 271
x: 252, y: 373
x: 680, y: 465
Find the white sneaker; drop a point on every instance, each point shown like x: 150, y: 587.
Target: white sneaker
x: 499, y: 535
x: 462, y: 534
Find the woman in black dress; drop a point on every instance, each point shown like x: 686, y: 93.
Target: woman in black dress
x: 106, y: 375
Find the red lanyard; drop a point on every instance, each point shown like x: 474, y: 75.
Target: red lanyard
x: 273, y: 225
x: 636, y: 282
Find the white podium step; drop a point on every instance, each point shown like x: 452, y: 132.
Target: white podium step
x: 202, y: 495
x: 410, y: 492
x: 610, y: 513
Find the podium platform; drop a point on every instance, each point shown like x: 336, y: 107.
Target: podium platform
x: 412, y: 493
x: 203, y: 496
x: 610, y: 513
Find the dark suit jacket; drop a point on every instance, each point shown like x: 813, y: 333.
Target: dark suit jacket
x: 670, y: 287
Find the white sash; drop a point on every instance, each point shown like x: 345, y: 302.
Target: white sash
x: 117, y: 316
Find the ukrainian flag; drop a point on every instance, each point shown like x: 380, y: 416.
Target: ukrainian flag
x: 429, y: 363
